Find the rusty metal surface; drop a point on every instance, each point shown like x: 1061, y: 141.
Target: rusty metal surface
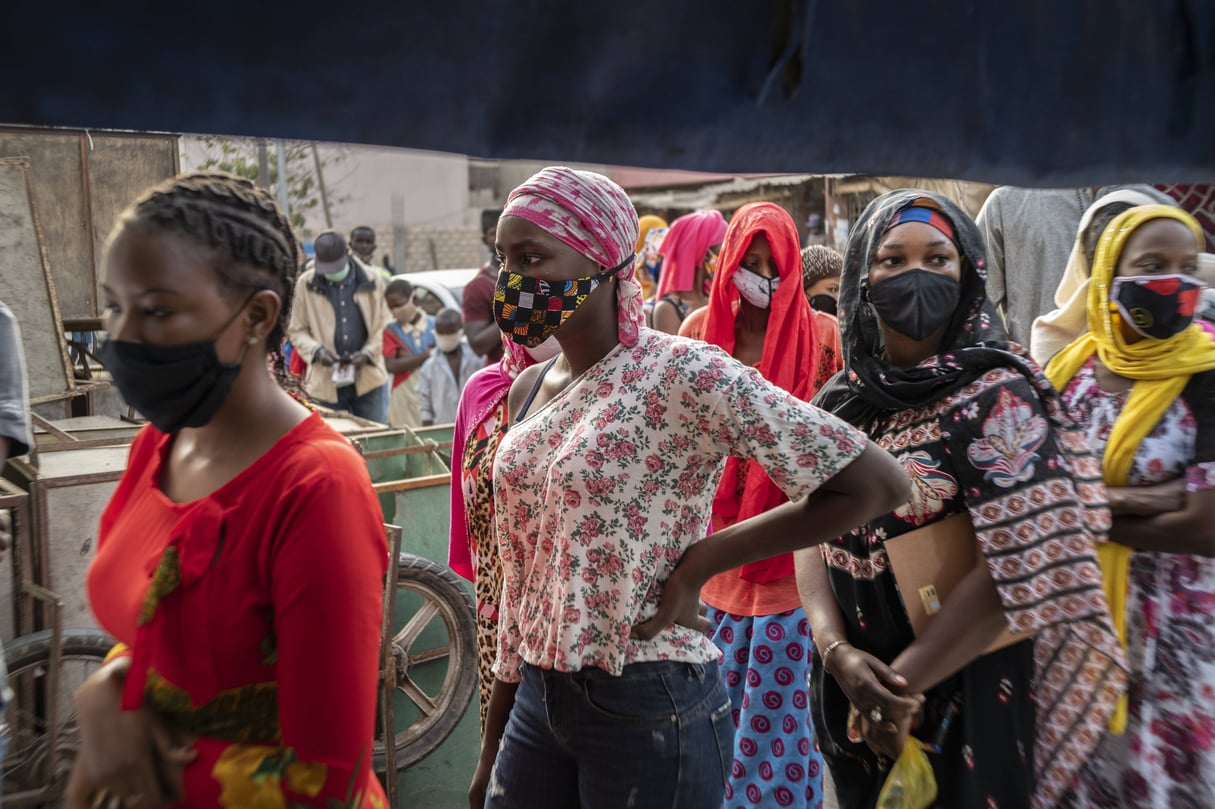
x: 81, y: 182
x: 28, y: 287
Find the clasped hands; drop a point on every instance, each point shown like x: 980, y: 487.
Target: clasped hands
x: 882, y: 713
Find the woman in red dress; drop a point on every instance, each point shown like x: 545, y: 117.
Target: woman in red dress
x: 241, y: 559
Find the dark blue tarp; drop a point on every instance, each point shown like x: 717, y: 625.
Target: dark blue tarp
x: 1033, y: 92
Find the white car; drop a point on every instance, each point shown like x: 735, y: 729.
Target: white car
x: 438, y: 289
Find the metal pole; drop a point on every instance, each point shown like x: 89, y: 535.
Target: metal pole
x: 320, y: 183
x: 263, y: 163
x: 282, y: 177
x: 398, y: 231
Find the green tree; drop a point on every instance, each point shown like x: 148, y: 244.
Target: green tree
x: 239, y: 156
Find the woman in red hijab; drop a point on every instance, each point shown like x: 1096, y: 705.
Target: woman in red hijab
x: 758, y: 313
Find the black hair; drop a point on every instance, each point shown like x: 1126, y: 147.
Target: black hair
x: 489, y: 218
x: 448, y: 316
x: 357, y: 228
x: 250, y: 238
x: 399, y: 286
x: 1100, y: 221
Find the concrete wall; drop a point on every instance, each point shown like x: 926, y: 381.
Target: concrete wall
x: 380, y: 187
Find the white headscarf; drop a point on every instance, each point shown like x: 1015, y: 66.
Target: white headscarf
x: 1058, y: 328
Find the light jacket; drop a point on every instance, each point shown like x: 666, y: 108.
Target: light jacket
x: 314, y: 323
x: 438, y: 390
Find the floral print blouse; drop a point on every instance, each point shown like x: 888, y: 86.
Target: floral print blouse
x: 1166, y: 757
x: 601, y: 490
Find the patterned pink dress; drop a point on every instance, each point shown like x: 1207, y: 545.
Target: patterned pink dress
x: 1166, y: 758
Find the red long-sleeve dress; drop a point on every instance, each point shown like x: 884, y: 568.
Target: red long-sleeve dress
x: 253, y: 618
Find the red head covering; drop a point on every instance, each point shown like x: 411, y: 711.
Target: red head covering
x: 684, y: 248
x: 789, y: 358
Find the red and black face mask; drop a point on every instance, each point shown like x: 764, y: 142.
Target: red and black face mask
x: 1157, y: 306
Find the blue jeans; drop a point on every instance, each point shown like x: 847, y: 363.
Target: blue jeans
x: 371, y: 405
x: 660, y: 736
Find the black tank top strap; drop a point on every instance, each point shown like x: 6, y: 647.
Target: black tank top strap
x: 531, y: 397
x: 681, y: 308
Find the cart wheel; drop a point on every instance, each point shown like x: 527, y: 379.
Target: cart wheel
x: 435, y: 652
x: 28, y: 768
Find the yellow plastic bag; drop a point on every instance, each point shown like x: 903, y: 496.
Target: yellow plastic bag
x: 910, y: 784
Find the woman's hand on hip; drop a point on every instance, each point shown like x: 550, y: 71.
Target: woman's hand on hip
x: 680, y: 601
x: 127, y: 759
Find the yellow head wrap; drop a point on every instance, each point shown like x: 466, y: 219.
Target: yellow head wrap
x: 647, y: 223
x: 1160, y: 370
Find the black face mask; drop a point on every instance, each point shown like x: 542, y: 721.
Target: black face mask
x: 172, y: 386
x: 916, y: 303
x: 823, y: 303
x: 1157, y: 306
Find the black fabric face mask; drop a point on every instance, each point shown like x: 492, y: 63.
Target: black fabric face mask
x: 823, y: 303
x: 174, y: 387
x: 916, y: 303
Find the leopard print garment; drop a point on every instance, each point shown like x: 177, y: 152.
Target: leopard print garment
x: 477, y: 477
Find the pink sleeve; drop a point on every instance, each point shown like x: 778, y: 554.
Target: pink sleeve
x: 459, y: 558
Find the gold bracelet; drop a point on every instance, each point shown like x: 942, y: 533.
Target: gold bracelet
x: 831, y: 647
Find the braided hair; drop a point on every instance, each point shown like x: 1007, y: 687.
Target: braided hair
x: 250, y: 238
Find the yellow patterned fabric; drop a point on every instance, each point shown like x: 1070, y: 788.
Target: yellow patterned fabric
x: 1160, y: 370
x: 165, y: 580
x: 245, y: 714
x: 253, y: 777
x: 119, y: 650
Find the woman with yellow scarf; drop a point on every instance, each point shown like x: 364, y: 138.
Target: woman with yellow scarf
x: 1140, y: 382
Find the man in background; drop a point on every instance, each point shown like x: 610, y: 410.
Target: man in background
x: 337, y: 323
x: 484, y: 336
x: 362, y: 245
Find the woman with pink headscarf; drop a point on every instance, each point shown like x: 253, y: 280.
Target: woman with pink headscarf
x: 606, y: 690
x: 689, y: 254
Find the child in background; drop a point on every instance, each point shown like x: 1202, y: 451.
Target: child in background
x: 445, y: 373
x: 821, y: 269
x: 408, y: 343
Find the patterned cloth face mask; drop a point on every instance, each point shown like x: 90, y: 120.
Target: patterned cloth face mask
x: 755, y: 288
x: 530, y: 310
x: 1157, y: 306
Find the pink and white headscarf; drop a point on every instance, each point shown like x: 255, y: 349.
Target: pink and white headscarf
x: 591, y: 214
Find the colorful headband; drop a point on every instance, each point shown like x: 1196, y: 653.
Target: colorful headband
x: 926, y: 216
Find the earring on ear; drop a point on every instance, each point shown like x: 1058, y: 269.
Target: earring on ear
x: 252, y: 341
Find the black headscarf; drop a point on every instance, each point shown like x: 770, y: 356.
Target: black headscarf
x: 973, y: 342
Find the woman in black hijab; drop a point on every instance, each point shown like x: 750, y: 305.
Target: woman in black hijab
x: 981, y: 433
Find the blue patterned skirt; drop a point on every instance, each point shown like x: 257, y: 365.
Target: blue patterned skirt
x: 765, y: 662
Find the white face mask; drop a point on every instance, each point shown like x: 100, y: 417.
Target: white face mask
x: 755, y: 288
x: 545, y: 351
x: 449, y: 342
x: 406, y: 314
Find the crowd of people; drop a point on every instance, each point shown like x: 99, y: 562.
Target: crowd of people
x: 1062, y: 666
x: 359, y: 342
x: 707, y: 483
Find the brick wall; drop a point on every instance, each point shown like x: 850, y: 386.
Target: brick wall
x: 442, y: 249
